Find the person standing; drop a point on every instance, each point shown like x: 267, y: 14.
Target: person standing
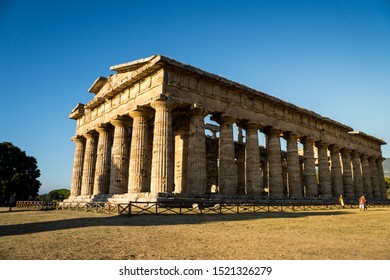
x: 12, y: 200
x: 341, y: 201
x: 362, y: 203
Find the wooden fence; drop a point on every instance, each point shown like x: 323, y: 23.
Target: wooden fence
x: 40, y: 205
x: 208, y: 207
x: 181, y: 207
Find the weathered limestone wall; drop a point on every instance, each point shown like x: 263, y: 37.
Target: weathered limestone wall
x: 144, y: 134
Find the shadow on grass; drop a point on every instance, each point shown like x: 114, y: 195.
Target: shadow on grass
x: 150, y: 220
x: 2, y: 211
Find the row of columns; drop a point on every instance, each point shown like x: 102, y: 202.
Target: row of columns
x: 100, y: 169
x: 347, y: 172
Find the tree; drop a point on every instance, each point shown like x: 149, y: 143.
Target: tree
x: 18, y: 173
x: 387, y: 181
x: 58, y: 195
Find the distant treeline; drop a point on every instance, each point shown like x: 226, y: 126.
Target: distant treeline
x: 54, y: 195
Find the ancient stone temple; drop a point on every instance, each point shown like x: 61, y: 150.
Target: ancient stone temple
x: 158, y: 127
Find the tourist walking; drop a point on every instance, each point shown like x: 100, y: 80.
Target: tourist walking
x: 341, y: 201
x: 12, y: 201
x: 362, y: 203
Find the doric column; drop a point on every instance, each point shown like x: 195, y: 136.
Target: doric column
x: 212, y: 163
x: 197, y: 172
x: 374, y: 177
x: 309, y: 168
x: 337, y: 177
x: 252, y: 160
x: 357, y: 174
x: 77, y: 173
x: 285, y: 190
x: 240, y: 135
x: 293, y: 168
x: 301, y: 171
x: 366, y: 176
x: 139, y: 153
x: 264, y: 173
x: 347, y: 173
x: 240, y: 167
x: 103, y: 161
x: 275, y: 163
x: 89, y: 163
x: 323, y: 170
x: 120, y: 156
x: 381, y: 177
x: 180, y: 163
x: 227, y: 173
x: 162, y: 156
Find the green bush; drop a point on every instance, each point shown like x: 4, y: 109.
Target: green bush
x: 58, y: 195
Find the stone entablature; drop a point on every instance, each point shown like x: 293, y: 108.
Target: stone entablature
x: 144, y: 129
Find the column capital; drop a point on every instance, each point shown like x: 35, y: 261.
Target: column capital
x: 380, y: 159
x: 364, y: 156
x: 307, y: 140
x: 272, y: 131
x: 196, y: 109
x: 372, y: 158
x: 90, y: 134
x: 77, y: 139
x: 101, y: 128
x: 346, y: 150
x: 222, y: 118
x: 140, y: 113
x: 291, y: 135
x: 355, y: 153
x: 335, y: 147
x: 120, y: 121
x: 250, y: 125
x: 165, y: 104
x: 320, y: 144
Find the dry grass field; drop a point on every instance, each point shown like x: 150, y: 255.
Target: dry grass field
x: 312, y: 235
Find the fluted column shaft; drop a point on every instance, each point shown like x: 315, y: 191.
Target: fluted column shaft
x: 323, y: 170
x: 103, y: 162
x: 138, y: 167
x: 77, y: 173
x: 357, y: 174
x: 197, y: 172
x: 293, y: 167
x: 180, y: 163
x: 120, y: 156
x: 252, y: 160
x: 381, y: 178
x: 309, y: 168
x: 337, y: 177
x: 275, y: 163
x: 212, y: 162
x: 366, y: 177
x: 227, y: 171
x: 89, y: 163
x: 347, y: 173
x: 374, y: 177
x: 240, y: 167
x: 162, y: 156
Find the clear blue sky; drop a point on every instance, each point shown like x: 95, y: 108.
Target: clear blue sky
x: 332, y: 57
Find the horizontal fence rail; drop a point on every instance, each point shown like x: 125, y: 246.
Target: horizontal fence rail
x: 41, y: 205
x: 99, y: 207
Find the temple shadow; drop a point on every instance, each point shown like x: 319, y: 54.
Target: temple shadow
x: 4, y: 210
x: 151, y: 220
